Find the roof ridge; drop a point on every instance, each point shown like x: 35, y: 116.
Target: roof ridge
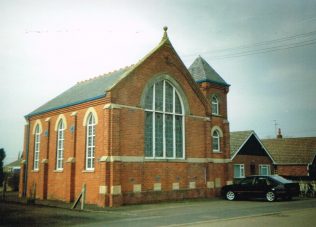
x: 288, y: 138
x: 105, y: 74
x: 243, y: 131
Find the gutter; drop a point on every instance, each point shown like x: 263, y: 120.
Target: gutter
x: 64, y: 106
x: 211, y: 81
x: 27, y: 158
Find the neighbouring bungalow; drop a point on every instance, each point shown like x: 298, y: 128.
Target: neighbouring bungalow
x: 294, y: 157
x: 249, y: 156
x: 13, y: 167
x: 149, y: 132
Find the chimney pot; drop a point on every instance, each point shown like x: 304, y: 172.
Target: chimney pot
x: 279, y: 136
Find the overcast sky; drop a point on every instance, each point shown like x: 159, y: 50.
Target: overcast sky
x: 265, y: 49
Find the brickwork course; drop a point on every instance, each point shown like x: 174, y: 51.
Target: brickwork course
x: 122, y: 172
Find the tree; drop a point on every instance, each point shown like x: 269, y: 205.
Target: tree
x: 2, y: 156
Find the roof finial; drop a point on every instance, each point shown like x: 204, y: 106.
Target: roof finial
x: 165, y: 35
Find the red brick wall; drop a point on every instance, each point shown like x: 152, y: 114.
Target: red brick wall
x: 120, y: 132
x: 209, y: 89
x: 153, y: 66
x: 257, y: 160
x: 292, y: 170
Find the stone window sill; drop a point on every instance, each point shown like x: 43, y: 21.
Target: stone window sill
x: 88, y: 171
x: 59, y: 171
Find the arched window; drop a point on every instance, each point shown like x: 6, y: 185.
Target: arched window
x: 215, y: 105
x: 216, y: 141
x: 164, y: 122
x: 90, y: 142
x: 36, y: 147
x: 60, y: 145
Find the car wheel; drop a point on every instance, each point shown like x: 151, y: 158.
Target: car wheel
x: 230, y: 195
x: 270, y: 196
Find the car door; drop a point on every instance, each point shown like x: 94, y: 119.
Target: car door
x: 245, y: 187
x: 260, y: 186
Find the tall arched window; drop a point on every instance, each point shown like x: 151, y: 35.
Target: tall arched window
x: 36, y: 147
x: 90, y: 142
x: 164, y: 122
x: 60, y: 145
x: 216, y: 141
x: 215, y: 105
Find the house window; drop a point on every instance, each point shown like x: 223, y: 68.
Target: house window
x: 215, y: 105
x: 90, y: 142
x: 239, y: 171
x: 216, y: 141
x: 36, y: 148
x: 164, y: 122
x: 60, y: 145
x: 264, y: 170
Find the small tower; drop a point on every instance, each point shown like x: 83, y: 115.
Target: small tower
x: 212, y: 85
x: 215, y: 89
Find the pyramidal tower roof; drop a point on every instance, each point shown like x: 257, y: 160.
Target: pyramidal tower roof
x: 201, y: 71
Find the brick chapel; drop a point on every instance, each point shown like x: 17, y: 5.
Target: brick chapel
x: 153, y: 131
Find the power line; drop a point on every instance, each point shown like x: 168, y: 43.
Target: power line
x: 272, y: 41
x: 267, y: 46
x: 265, y: 50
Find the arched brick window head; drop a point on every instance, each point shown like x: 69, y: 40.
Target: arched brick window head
x: 215, y: 105
x: 60, y: 145
x: 216, y: 141
x: 36, y: 147
x: 164, y: 122
x: 90, y: 142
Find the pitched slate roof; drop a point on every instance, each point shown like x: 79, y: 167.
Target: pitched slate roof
x: 292, y: 150
x: 237, y: 139
x: 83, y: 91
x: 94, y: 88
x: 201, y: 71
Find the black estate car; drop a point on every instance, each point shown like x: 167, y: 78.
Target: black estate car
x: 269, y: 187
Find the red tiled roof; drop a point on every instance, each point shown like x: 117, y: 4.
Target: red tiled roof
x: 291, y: 150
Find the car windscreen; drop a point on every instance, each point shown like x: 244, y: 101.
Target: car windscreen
x: 280, y: 179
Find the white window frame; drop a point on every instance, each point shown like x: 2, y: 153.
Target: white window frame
x: 215, y: 104
x: 60, y: 145
x: 265, y: 166
x: 216, y: 139
x: 241, y: 171
x: 37, y: 144
x: 90, y: 134
x: 164, y: 113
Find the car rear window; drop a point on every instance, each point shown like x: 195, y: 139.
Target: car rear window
x: 281, y: 179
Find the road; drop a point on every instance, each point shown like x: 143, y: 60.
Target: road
x: 216, y: 212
